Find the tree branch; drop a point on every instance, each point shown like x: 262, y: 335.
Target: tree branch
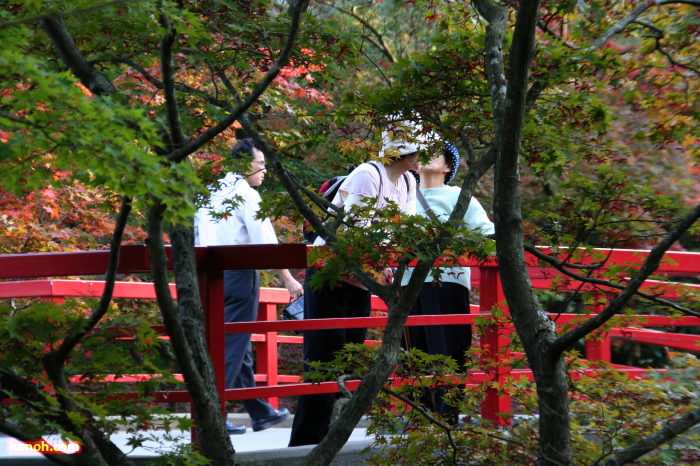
x: 678, y: 2
x: 619, y: 26
x: 296, y: 9
x: 426, y: 414
x: 448, y: 429
x: 380, y: 43
x: 92, y: 441
x: 673, y: 61
x: 60, y: 355
x: 669, y: 431
x: 21, y: 120
x: 95, y: 81
x: 12, y: 431
x: 648, y: 267
x: 545, y: 27
x: 224, y: 104
x: 558, y: 263
x: 167, y: 66
x: 563, y: 266
x: 378, y: 68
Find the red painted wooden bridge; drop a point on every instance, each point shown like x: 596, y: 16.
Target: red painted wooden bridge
x: 35, y: 276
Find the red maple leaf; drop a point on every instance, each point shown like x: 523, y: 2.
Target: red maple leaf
x: 49, y: 194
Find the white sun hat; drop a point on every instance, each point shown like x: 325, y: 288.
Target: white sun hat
x: 405, y: 137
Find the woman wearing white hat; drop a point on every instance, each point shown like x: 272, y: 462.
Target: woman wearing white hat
x: 386, y: 181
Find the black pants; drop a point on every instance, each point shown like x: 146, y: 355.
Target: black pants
x: 449, y: 340
x: 241, y: 296
x: 313, y: 412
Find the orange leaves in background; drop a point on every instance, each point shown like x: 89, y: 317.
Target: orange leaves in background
x: 59, y: 219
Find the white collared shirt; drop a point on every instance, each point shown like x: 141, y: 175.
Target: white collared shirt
x: 240, y: 225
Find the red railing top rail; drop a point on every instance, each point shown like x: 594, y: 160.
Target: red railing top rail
x: 135, y: 259
x: 53, y: 288
x: 673, y: 263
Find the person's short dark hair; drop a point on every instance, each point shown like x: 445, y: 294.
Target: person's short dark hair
x: 244, y: 148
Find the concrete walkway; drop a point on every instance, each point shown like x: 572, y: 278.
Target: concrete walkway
x: 267, y: 447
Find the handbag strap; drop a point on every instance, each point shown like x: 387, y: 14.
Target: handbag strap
x: 426, y: 207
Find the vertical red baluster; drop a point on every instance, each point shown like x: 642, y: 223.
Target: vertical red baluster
x: 494, y: 342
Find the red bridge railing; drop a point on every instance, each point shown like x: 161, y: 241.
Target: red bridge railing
x: 212, y: 261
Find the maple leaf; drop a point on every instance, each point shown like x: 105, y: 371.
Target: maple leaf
x: 53, y: 213
x: 49, y: 194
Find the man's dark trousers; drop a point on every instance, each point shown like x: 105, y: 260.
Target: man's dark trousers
x: 241, y: 296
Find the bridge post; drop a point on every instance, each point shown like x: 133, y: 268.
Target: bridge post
x: 211, y: 289
x: 494, y: 343
x: 266, y: 358
x: 599, y: 349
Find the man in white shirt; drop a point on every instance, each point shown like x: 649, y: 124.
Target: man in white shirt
x: 239, y: 203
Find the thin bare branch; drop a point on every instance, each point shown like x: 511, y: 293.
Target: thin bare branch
x: 379, y: 69
x: 675, y: 62
x: 545, y: 27
x: 564, y: 266
x: 669, y: 431
x: 558, y: 263
x: 448, y: 429
x: 158, y: 84
x: 296, y: 10
x: 648, y: 267
x: 379, y: 43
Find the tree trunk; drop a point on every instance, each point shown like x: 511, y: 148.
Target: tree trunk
x: 555, y: 420
x: 189, y: 347
x: 536, y: 330
x: 371, y: 384
x: 208, y: 413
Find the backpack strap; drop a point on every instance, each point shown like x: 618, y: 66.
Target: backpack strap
x: 376, y: 167
x: 405, y: 177
x: 332, y: 188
